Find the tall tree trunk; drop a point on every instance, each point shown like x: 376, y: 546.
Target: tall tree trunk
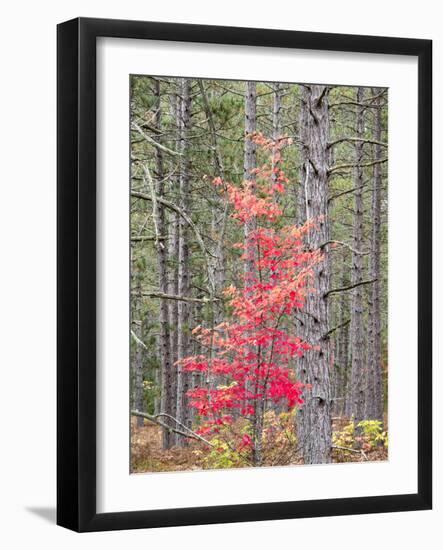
x: 250, y: 158
x: 358, y: 367
x: 374, y: 408
x: 343, y: 343
x: 183, y: 257
x: 314, y: 416
x: 219, y: 213
x: 173, y: 253
x: 138, y: 383
x: 303, y: 132
x: 276, y: 116
x: 301, y: 318
x: 159, y: 217
x: 249, y: 163
x: 173, y: 290
x: 137, y: 361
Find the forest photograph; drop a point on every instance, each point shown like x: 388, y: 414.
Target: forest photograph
x: 258, y: 274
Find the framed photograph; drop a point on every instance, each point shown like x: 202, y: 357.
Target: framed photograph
x: 244, y: 274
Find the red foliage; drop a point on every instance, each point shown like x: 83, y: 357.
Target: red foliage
x: 254, y: 349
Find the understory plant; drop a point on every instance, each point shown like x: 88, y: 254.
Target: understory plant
x: 248, y: 365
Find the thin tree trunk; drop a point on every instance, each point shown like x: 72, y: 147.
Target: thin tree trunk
x: 219, y: 212
x: 173, y: 253
x: 138, y: 382
x: 159, y: 217
x: 276, y: 116
x: 301, y: 319
x: 301, y: 214
x: 343, y: 343
x: 249, y: 163
x: 173, y: 290
x: 358, y: 367
x: 250, y: 160
x: 183, y: 258
x: 375, y: 398
x: 314, y: 416
x: 138, y: 370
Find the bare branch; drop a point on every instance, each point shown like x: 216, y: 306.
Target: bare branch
x: 354, y: 139
x: 149, y: 139
x: 336, y: 196
x: 164, y: 296
x: 189, y: 221
x: 137, y: 339
x: 155, y: 420
x: 139, y: 238
x: 330, y: 331
x: 340, y: 167
x: 360, y: 452
x: 350, y: 287
x: 320, y: 97
x: 341, y: 243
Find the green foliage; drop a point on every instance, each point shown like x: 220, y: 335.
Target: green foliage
x: 372, y: 431
x: 371, y: 435
x: 345, y: 436
x: 279, y: 443
x: 223, y: 454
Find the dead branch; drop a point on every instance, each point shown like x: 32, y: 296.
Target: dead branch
x: 155, y: 420
x: 340, y: 167
x: 149, y: 139
x: 333, y: 329
x: 164, y: 296
x: 140, y: 238
x: 137, y: 339
x: 341, y: 243
x: 360, y: 452
x: 337, y: 195
x: 354, y: 139
x: 191, y: 224
x: 350, y: 287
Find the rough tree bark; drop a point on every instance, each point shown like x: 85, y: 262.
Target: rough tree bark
x: 249, y: 163
x: 219, y: 212
x: 138, y: 382
x: 358, y: 368
x: 173, y: 238
x: 250, y: 154
x: 343, y: 343
x: 314, y: 416
x: 159, y: 217
x: 173, y: 290
x: 276, y: 115
x: 374, y: 408
x: 183, y: 256
x: 300, y: 217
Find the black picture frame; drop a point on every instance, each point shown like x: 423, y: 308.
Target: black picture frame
x: 76, y: 280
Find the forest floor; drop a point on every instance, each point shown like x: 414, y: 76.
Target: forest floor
x: 147, y: 454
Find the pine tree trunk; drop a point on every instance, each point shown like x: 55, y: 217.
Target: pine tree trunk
x: 173, y: 253
x: 301, y: 318
x: 159, y: 216
x: 138, y: 383
x: 249, y: 163
x: 173, y: 290
x: 276, y: 116
x: 183, y: 258
x: 358, y: 367
x: 343, y: 345
x: 250, y: 156
x: 314, y: 416
x: 375, y: 401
